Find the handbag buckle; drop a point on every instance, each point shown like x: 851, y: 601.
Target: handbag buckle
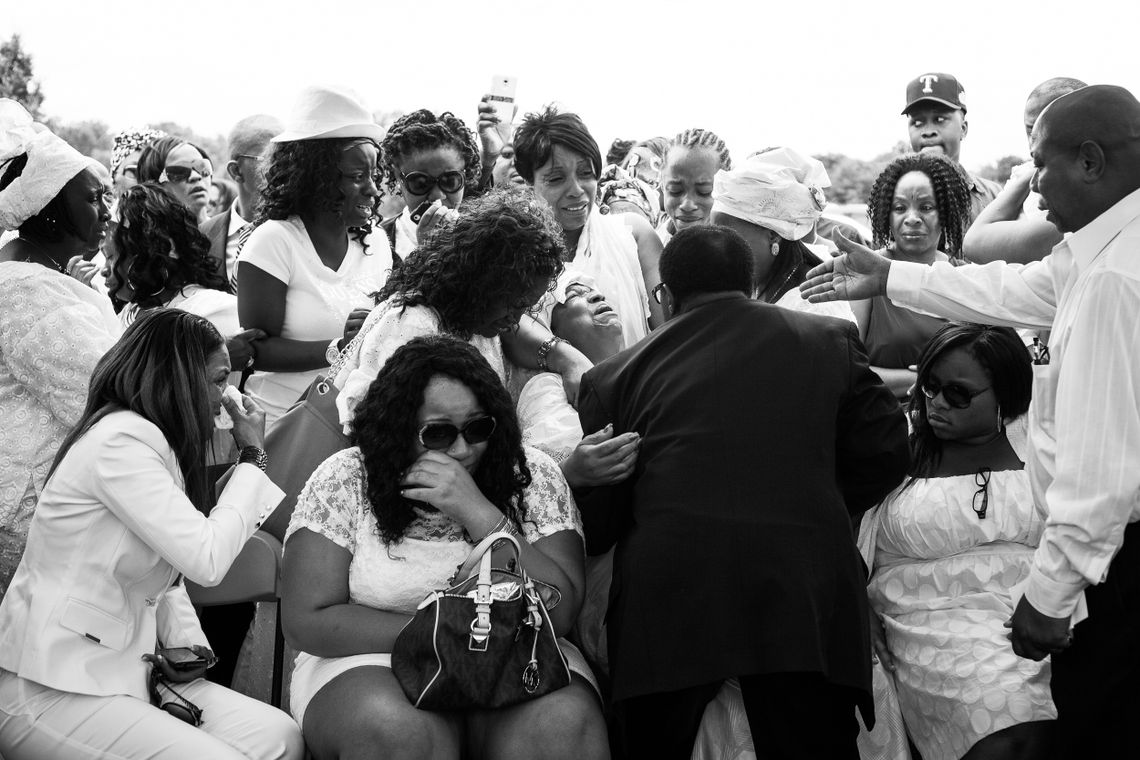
x: 480, y: 629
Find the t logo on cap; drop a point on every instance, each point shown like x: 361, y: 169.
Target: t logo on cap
x: 938, y: 87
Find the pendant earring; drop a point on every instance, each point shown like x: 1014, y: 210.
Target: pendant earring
x: 1001, y: 420
x: 775, y: 249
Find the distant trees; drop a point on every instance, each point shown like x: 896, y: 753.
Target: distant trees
x: 852, y: 178
x: 16, y: 79
x: 90, y: 137
x: 1000, y: 170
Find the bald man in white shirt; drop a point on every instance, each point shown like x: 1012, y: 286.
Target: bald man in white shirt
x: 1084, y: 428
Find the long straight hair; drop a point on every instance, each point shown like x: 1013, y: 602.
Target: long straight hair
x: 157, y: 370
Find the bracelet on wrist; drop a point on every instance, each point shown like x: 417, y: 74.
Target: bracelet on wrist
x: 254, y: 455
x: 545, y: 349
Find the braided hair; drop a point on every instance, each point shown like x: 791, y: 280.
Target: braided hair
x: 423, y: 130
x: 951, y: 197
x: 703, y: 138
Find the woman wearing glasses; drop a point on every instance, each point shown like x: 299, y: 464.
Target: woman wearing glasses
x: 437, y: 464
x: 96, y: 630
x: 948, y: 546
x: 430, y: 160
x: 305, y: 274
x: 183, y: 168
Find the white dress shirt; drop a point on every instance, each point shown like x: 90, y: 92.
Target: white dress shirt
x: 1084, y: 420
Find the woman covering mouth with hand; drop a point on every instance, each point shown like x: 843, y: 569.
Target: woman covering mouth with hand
x: 305, y: 275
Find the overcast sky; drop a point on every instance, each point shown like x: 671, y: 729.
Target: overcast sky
x: 825, y: 76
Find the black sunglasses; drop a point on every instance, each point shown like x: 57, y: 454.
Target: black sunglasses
x: 957, y: 396
x: 439, y: 436
x: 183, y: 173
x: 419, y: 183
x: 183, y: 709
x: 982, y: 481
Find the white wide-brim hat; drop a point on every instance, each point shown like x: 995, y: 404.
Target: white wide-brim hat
x: 326, y: 113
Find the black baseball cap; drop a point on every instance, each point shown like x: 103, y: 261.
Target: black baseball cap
x: 936, y: 87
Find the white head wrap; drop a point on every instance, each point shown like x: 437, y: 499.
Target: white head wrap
x: 778, y: 189
x: 52, y: 163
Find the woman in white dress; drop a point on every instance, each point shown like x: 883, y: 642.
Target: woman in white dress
x: 473, y: 278
x: 947, y: 550
x: 53, y: 327
x: 437, y: 464
x: 305, y: 274
x: 555, y: 153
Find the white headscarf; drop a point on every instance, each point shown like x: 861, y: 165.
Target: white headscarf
x: 778, y: 189
x: 52, y: 163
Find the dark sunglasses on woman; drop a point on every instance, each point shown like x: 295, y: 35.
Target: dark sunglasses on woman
x: 183, y: 173
x: 957, y: 396
x: 419, y: 183
x: 439, y: 436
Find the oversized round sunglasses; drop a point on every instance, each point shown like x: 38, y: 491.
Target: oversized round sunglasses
x: 957, y: 396
x: 439, y: 436
x: 419, y: 183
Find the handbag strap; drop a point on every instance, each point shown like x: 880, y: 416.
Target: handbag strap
x: 350, y: 348
x: 464, y: 571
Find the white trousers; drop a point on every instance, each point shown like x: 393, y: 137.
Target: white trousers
x: 37, y: 722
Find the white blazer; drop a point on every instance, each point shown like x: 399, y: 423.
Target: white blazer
x: 112, y: 531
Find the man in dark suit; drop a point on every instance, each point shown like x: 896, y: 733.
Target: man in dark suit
x: 763, y: 431
x: 227, y: 231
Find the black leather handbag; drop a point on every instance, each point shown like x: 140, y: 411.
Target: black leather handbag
x: 486, y: 641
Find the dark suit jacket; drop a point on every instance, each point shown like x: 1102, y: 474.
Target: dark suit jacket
x: 763, y: 432
x: 217, y: 229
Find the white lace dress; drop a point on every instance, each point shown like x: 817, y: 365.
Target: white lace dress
x: 389, y: 326
x: 53, y: 330
x: 941, y: 581
x: 396, y: 578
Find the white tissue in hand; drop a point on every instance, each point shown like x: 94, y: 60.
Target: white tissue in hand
x: 224, y: 421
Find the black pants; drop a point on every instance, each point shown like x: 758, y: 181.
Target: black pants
x: 791, y: 715
x: 1096, y: 681
x: 225, y: 626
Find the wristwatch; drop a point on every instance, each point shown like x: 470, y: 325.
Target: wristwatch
x: 333, y: 351
x: 254, y: 455
x: 545, y: 349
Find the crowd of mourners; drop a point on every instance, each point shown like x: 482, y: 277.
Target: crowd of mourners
x: 797, y: 485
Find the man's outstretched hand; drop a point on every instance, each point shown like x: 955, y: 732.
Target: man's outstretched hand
x: 856, y: 274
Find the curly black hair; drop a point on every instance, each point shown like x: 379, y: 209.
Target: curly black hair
x: 951, y: 195
x: 501, y: 244
x: 423, y: 130
x: 159, y: 246
x: 302, y: 177
x: 386, y: 423
x: 1003, y: 356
